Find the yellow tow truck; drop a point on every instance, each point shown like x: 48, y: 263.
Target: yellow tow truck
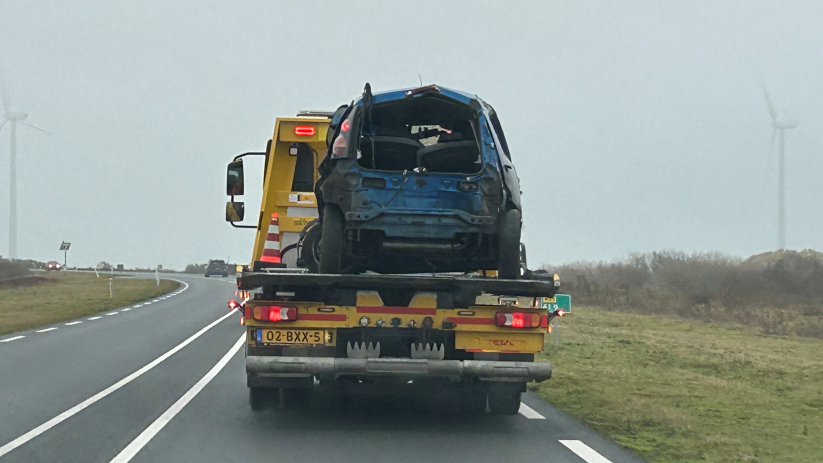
x: 470, y: 338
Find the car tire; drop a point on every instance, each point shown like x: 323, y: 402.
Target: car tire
x: 508, y: 267
x: 331, y: 240
x: 310, y: 248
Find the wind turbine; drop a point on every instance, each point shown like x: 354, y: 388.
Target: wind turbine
x: 14, y: 118
x: 779, y: 129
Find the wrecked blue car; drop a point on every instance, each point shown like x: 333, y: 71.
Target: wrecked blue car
x: 416, y: 181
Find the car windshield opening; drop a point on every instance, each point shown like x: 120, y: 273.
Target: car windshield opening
x: 426, y: 133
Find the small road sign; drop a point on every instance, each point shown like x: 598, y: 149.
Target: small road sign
x: 559, y: 301
x: 65, y: 246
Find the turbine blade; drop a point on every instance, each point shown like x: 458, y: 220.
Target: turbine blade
x: 3, y: 124
x: 772, y: 111
x: 5, y: 91
x: 35, y: 127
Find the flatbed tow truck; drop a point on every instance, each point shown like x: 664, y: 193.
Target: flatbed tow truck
x: 468, y: 338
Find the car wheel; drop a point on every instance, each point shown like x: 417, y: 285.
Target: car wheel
x: 310, y: 249
x: 331, y: 240
x: 509, y: 238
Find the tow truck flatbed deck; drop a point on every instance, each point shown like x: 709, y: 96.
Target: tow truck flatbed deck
x: 434, y: 283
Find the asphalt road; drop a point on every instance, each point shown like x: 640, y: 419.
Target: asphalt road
x: 165, y: 382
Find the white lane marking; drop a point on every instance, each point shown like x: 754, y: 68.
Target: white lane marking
x: 140, y: 441
x: 112, y: 313
x: 94, y: 318
x: 584, y: 451
x: 73, y: 323
x: 138, y: 305
x: 47, y: 329
x: 126, y: 309
x: 12, y: 339
x: 147, y: 303
x: 529, y: 413
x: 91, y: 400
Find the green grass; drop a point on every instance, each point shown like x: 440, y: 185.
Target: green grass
x: 64, y: 296
x: 675, y: 391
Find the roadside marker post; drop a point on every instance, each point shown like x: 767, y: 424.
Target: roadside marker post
x: 111, y: 290
x: 157, y: 275
x: 65, y: 248
x: 552, y: 304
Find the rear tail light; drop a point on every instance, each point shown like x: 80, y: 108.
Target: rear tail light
x: 233, y: 304
x: 517, y: 319
x: 275, y: 313
x: 304, y: 130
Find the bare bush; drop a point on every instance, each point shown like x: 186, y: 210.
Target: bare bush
x: 782, y: 296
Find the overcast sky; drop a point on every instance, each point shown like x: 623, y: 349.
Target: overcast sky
x: 634, y: 126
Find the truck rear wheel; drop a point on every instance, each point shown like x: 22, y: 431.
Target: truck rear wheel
x: 261, y: 398
x: 509, y: 245
x: 473, y: 402
x: 331, y: 240
x: 504, y: 402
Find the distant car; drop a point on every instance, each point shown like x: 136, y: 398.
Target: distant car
x: 418, y: 180
x: 217, y: 267
x: 52, y: 265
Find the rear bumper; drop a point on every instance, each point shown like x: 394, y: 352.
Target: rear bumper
x: 417, y: 223
x: 327, y: 367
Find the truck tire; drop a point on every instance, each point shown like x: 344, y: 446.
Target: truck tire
x: 504, y: 402
x: 258, y: 398
x: 509, y: 245
x: 473, y: 402
x: 296, y: 398
x: 331, y: 240
x: 310, y: 248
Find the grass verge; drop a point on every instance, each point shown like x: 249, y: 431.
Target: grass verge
x: 56, y: 297
x: 676, y: 391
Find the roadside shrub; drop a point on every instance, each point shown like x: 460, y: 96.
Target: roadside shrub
x: 782, y: 294
x: 195, y: 268
x: 13, y: 268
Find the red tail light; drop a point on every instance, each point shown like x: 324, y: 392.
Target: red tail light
x: 304, y: 130
x: 517, y: 319
x: 233, y: 304
x: 275, y: 313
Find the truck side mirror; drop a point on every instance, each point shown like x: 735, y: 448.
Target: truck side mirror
x: 234, y: 179
x: 235, y: 211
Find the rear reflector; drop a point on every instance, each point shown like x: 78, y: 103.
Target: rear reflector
x: 275, y: 313
x: 304, y: 130
x: 517, y: 319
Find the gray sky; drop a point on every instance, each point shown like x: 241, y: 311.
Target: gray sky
x: 634, y: 126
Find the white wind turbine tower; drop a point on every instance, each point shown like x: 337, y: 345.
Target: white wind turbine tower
x: 14, y: 118
x: 779, y: 129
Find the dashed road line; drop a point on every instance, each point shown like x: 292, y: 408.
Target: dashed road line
x: 126, y: 309
x: 529, y: 413
x: 94, y: 318
x: 105, y: 392
x: 140, y: 441
x: 112, y: 313
x: 47, y: 329
x: 585, y: 452
x: 73, y: 323
x: 12, y: 339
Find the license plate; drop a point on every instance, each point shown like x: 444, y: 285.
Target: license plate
x: 291, y: 336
